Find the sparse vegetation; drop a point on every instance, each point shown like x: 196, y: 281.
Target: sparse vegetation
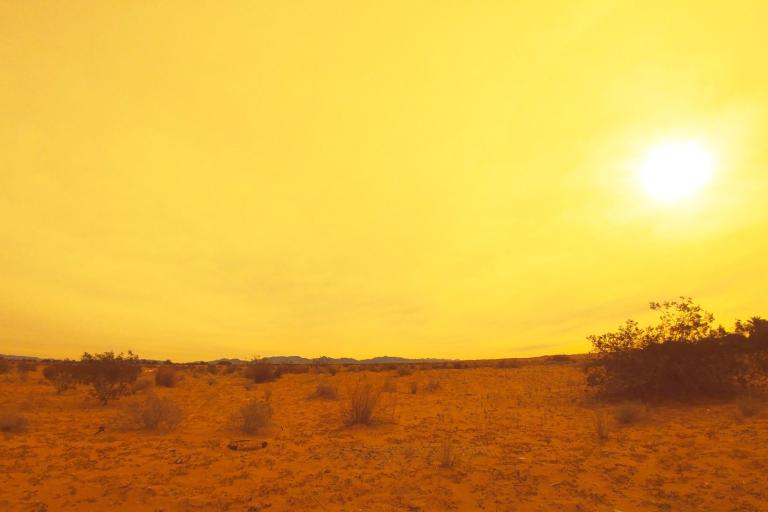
x: 432, y: 385
x: 254, y: 416
x: 12, y: 421
x: 414, y: 387
x: 23, y: 368
x: 110, y: 376
x: 325, y: 391
x: 404, y: 370
x: 153, y: 413
x: 166, y: 376
x: 61, y: 376
x: 260, y: 371
x: 5, y: 366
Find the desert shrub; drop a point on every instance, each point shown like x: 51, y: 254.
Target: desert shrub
x: 324, y: 391
x: 212, y: 369
x: 262, y: 371
x: 61, y: 376
x: 363, y: 399
x: 12, y: 421
x: 559, y: 359
x: 227, y: 368
x: 432, y: 385
x: 166, y: 376
x: 143, y: 384
x: 110, y: 376
x: 23, y: 368
x: 5, y: 366
x: 414, y: 387
x: 683, y: 357
x: 153, y: 413
x: 404, y: 370
x: 748, y: 406
x: 254, y: 416
x: 629, y: 412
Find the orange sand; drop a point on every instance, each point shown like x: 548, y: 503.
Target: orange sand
x: 524, y: 440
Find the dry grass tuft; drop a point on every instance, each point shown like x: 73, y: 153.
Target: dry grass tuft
x: 414, y: 387
x: 363, y: 399
x: 448, y: 455
x: 254, y: 416
x: 601, y: 427
x: 12, y: 422
x: 629, y: 412
x: 153, y: 413
x: 325, y: 391
x: 432, y: 385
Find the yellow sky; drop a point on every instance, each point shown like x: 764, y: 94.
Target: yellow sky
x: 446, y: 179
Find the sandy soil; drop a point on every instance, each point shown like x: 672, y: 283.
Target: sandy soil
x: 523, y: 439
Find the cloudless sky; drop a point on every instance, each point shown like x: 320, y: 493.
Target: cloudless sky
x: 193, y: 180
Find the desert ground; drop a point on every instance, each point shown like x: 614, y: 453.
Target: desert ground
x: 530, y: 438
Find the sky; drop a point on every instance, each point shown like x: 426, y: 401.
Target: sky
x: 194, y: 180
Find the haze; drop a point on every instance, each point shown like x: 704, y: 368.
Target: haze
x: 432, y: 179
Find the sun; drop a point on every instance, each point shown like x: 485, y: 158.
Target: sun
x: 673, y: 171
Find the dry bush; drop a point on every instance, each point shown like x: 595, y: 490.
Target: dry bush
x: 23, y: 368
x: 153, y: 413
x: 61, y: 376
x: 166, y: 376
x: 212, y: 369
x: 324, y: 391
x: 12, y: 421
x: 5, y: 366
x: 109, y: 375
x: 629, y: 412
x: 749, y: 406
x: 432, y: 385
x: 253, y: 416
x: 414, y: 387
x: 262, y: 371
x: 404, y: 371
x: 227, y: 368
x: 601, y: 427
x: 144, y: 384
x: 363, y: 399
x: 506, y: 364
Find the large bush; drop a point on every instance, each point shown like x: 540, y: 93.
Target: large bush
x: 683, y: 357
x: 110, y: 376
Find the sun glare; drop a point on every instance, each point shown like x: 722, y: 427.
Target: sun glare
x: 673, y: 171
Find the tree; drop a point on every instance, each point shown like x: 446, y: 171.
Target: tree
x: 109, y: 375
x: 683, y: 356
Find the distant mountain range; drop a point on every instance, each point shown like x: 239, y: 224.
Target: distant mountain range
x: 288, y: 360
x: 334, y: 360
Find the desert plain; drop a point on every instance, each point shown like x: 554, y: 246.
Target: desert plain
x: 531, y: 437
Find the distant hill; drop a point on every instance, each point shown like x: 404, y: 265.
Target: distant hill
x: 334, y: 360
